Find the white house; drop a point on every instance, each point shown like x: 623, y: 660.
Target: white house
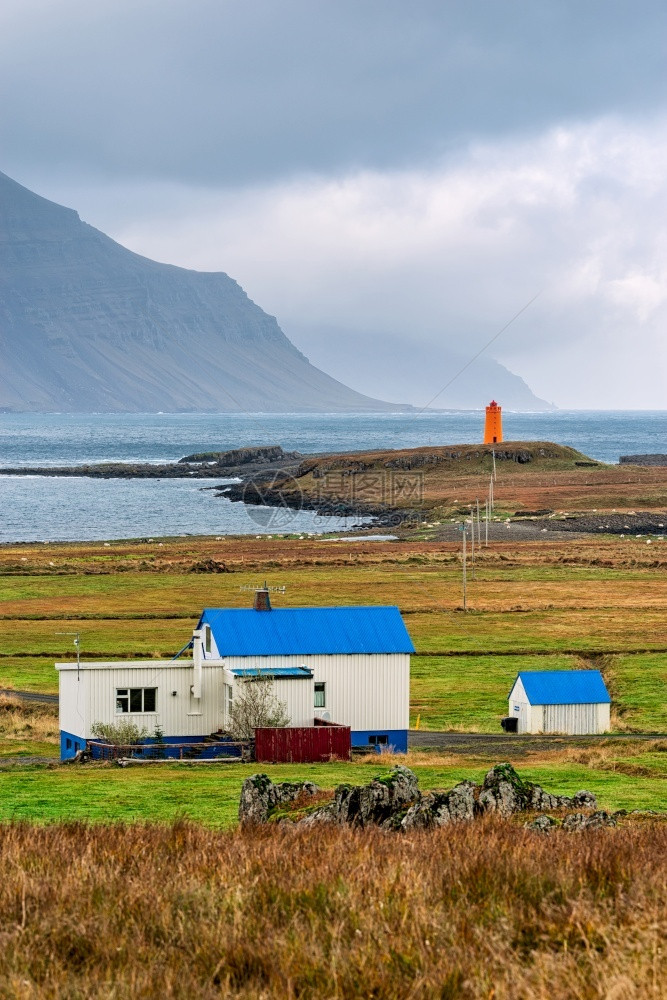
x: 350, y: 665
x: 560, y: 701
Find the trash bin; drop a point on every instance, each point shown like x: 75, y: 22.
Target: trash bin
x: 510, y: 724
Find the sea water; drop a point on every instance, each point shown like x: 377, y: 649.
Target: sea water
x: 58, y: 508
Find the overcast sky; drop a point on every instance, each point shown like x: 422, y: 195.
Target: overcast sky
x: 375, y: 172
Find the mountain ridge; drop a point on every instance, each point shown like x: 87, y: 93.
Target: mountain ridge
x: 87, y: 325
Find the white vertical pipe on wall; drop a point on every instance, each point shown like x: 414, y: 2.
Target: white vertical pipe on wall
x: 197, y: 656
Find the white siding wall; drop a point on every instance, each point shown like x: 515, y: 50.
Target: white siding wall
x: 297, y: 694
x: 93, y: 698
x: 604, y: 718
x: 73, y: 701
x: 519, y: 707
x: 363, y: 691
x: 578, y: 720
x: 535, y: 719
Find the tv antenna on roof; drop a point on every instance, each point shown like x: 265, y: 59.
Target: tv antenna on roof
x: 77, y: 643
x: 275, y: 590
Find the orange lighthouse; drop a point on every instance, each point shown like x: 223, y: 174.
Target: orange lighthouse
x: 493, y: 425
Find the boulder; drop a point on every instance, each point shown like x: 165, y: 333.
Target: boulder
x: 542, y: 823
x: 462, y: 801
x: 393, y: 801
x: 504, y: 792
x: 540, y: 800
x: 584, y: 800
x: 440, y: 808
x: 377, y: 803
x: 260, y: 797
x: 579, y: 821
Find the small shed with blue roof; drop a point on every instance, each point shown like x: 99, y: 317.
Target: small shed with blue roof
x: 560, y: 701
x: 346, y: 665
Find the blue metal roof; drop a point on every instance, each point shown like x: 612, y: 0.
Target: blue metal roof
x: 307, y: 631
x: 272, y: 672
x: 563, y: 687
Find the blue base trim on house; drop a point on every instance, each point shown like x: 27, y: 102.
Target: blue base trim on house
x: 70, y: 745
x: 175, y: 748
x: 397, y: 739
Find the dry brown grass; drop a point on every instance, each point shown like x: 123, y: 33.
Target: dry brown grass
x: 413, y: 758
x: 26, y: 720
x: 607, y: 755
x: 254, y: 557
x: 483, y: 911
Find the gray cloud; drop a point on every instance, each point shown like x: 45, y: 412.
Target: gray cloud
x: 444, y: 257
x: 216, y: 92
x: 374, y: 172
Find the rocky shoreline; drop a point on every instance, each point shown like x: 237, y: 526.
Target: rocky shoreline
x: 635, y: 523
x: 284, y: 492
x: 269, y: 477
x: 206, y: 465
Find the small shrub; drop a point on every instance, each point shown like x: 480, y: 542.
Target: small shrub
x: 158, y: 750
x: 119, y: 733
x: 255, y: 707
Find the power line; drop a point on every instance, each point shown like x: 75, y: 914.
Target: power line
x: 480, y: 352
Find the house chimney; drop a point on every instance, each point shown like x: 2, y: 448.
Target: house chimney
x: 262, y: 600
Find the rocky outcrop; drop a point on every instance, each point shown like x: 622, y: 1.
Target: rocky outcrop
x: 574, y: 821
x: 643, y: 460
x: 259, y: 494
x: 506, y: 793
x: 394, y: 801
x: 379, y: 803
x: 542, y: 824
x: 440, y: 808
x: 261, y: 455
x: 246, y: 462
x: 260, y: 797
x: 579, y: 821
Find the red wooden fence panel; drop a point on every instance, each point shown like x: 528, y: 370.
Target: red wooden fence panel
x: 302, y: 744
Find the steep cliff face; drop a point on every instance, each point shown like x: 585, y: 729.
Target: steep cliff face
x: 86, y: 325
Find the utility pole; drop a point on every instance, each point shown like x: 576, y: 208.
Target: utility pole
x: 463, y: 529
x: 493, y: 453
x: 486, y: 526
x: 472, y: 541
x: 491, y: 505
x: 479, y: 526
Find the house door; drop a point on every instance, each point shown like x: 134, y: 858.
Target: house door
x: 227, y: 703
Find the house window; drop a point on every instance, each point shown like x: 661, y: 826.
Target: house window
x: 378, y: 740
x: 68, y: 744
x: 229, y: 700
x: 137, y: 700
x: 320, y: 694
x: 207, y: 638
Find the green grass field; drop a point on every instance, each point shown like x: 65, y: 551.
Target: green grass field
x: 531, y: 607
x: 210, y: 793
